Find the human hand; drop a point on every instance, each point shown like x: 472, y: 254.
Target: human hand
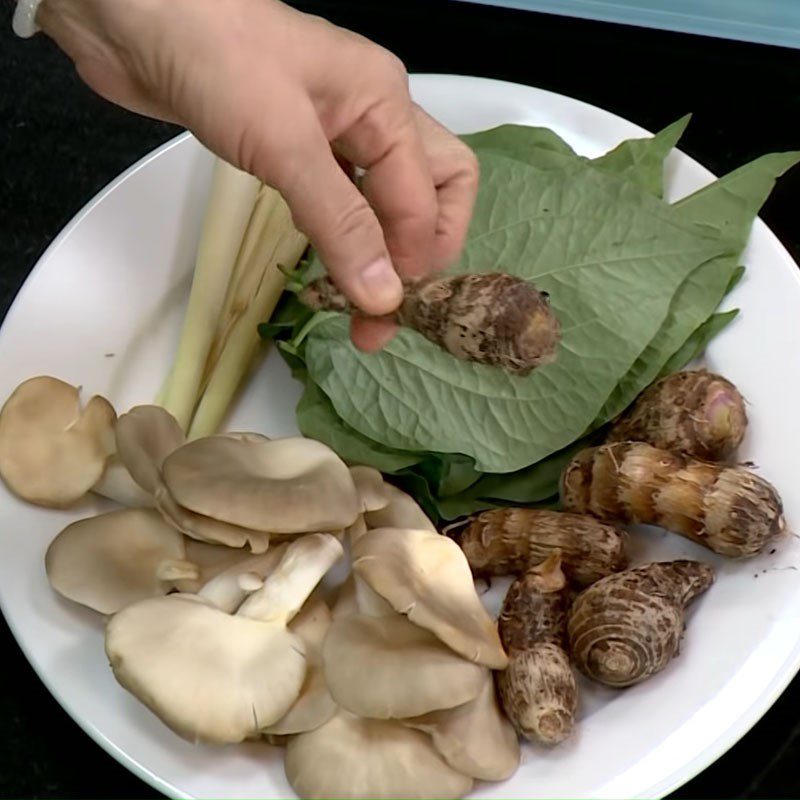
x: 291, y: 98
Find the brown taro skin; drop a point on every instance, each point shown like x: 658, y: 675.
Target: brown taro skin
x: 489, y: 318
x: 538, y: 689
x: 509, y: 541
x: 728, y: 509
x: 628, y: 626
x: 694, y: 412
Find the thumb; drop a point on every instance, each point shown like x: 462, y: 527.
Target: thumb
x: 343, y: 228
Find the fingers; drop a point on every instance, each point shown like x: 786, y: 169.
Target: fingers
x: 398, y: 183
x: 371, y: 333
x: 455, y: 173
x: 337, y: 218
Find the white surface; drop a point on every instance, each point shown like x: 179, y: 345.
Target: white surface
x: 115, y: 282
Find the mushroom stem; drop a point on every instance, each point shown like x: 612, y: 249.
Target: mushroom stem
x: 177, y: 570
x: 302, y: 567
x: 227, y: 590
x: 117, y: 484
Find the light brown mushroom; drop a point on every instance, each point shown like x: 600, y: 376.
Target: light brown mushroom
x: 369, y: 759
x: 216, y: 677
x: 402, y: 511
x: 371, y: 489
x: 285, y: 486
x: 475, y: 738
x: 112, y: 560
x: 388, y: 668
x: 52, y: 450
x: 426, y: 576
x: 314, y: 706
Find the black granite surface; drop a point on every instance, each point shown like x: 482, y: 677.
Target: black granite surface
x: 59, y: 145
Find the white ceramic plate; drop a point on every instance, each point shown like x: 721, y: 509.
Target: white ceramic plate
x: 102, y: 309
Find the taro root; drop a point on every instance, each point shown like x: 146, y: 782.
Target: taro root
x: 697, y: 413
x: 491, y: 318
x: 509, y: 541
x: 727, y: 509
x: 628, y: 626
x: 538, y: 688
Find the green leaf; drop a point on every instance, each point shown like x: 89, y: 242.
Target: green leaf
x: 730, y: 204
x: 317, y: 420
x: 611, y: 257
x: 642, y: 160
x: 696, y: 344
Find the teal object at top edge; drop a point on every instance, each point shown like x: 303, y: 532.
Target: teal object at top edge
x: 775, y: 22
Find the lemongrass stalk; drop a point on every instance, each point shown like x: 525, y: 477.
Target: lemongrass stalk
x: 243, y: 342
x: 264, y: 230
x: 230, y: 204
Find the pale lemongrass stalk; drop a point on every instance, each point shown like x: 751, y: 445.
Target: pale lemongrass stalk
x: 243, y: 341
x: 264, y: 230
x: 230, y: 205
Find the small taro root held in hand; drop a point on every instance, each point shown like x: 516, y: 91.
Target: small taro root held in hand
x: 727, y: 509
x: 697, y: 413
x: 509, y: 541
x: 628, y: 626
x: 491, y: 318
x: 538, y: 688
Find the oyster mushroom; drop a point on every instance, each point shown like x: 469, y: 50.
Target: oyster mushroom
x: 112, y: 560
x: 52, y: 450
x: 474, y: 738
x: 369, y: 759
x: 426, y: 576
x: 314, y: 706
x: 286, y: 486
x: 371, y: 489
x: 402, y: 511
x: 146, y: 436
x: 217, y: 677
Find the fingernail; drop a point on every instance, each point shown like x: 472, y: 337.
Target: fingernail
x: 381, y: 287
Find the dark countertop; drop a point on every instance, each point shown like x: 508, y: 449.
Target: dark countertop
x: 59, y: 145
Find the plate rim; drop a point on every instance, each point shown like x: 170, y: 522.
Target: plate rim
x: 720, y: 744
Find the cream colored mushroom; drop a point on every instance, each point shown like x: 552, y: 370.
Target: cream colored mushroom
x: 369, y: 759
x: 426, y: 576
x: 371, y: 488
x: 145, y: 437
x: 52, y: 451
x: 216, y: 677
x: 388, y: 668
x: 286, y: 486
x: 475, y: 738
x: 117, y: 484
x: 314, y: 706
x: 402, y: 511
x: 112, y: 560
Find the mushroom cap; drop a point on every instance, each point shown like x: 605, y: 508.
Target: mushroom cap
x: 369, y: 759
x: 475, y: 738
x: 146, y: 435
x: 112, y: 560
x: 52, y: 451
x: 291, y: 485
x: 212, y: 558
x: 370, y: 487
x: 402, y: 511
x: 208, y: 529
x: 388, y: 668
x: 209, y: 676
x: 315, y: 706
x: 426, y: 576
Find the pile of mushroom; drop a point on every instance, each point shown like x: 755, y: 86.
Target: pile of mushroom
x: 219, y: 615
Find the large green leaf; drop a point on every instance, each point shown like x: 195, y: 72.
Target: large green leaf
x: 610, y: 255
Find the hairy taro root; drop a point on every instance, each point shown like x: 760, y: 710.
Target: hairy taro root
x: 697, y: 413
x: 509, y: 541
x: 538, y: 688
x: 491, y: 318
x: 628, y: 626
x: 728, y: 509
